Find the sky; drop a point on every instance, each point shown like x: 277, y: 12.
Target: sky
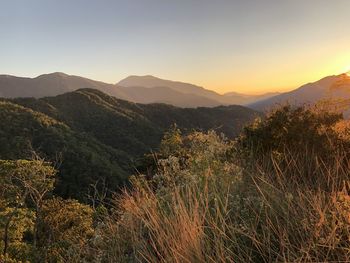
x: 248, y: 46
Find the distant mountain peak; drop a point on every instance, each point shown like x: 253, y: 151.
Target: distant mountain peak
x: 146, y: 80
x: 58, y: 73
x: 53, y: 74
x: 149, y: 77
x: 142, y: 76
x: 149, y: 81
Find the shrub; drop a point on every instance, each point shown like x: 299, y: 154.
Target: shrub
x: 65, y: 227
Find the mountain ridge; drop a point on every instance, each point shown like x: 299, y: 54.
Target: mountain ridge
x: 329, y: 87
x: 135, y: 89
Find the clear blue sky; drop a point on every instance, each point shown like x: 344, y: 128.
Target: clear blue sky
x: 238, y: 45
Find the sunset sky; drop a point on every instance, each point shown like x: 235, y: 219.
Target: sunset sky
x: 249, y: 46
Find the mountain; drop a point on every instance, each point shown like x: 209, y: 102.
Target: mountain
x: 331, y: 87
x: 153, y: 89
x: 140, y: 89
x: 151, y: 82
x: 168, y: 96
x: 92, y: 136
x: 195, y: 96
x: 51, y: 85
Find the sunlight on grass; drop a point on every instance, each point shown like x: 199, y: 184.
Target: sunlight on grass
x: 274, y: 195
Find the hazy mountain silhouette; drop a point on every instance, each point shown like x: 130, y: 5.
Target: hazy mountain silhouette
x: 331, y: 87
x: 195, y: 94
x: 151, y: 82
x: 168, y: 96
x: 239, y: 98
x: 51, y: 85
x: 141, y: 89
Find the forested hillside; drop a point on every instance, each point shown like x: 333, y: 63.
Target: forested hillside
x: 94, y: 138
x: 81, y: 159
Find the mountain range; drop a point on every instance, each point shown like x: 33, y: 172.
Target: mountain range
x: 141, y: 89
x: 92, y: 135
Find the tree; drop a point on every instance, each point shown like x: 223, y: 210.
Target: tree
x: 23, y: 184
x: 293, y: 128
x: 65, y: 228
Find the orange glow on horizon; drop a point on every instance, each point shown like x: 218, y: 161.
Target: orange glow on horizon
x: 285, y: 78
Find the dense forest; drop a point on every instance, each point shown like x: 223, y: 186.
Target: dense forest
x: 276, y: 191
x: 93, y: 138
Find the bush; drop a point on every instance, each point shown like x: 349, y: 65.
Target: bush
x: 303, y: 143
x: 65, y: 227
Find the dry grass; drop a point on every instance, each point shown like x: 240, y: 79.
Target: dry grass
x: 287, y: 206
x: 264, y: 219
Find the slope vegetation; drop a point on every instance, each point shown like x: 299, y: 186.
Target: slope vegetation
x: 91, y: 136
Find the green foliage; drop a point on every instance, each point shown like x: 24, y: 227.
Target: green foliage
x: 134, y: 128
x: 33, y: 227
x: 24, y: 185
x: 20, y: 229
x: 23, y: 177
x: 294, y: 128
x: 81, y: 160
x: 91, y: 136
x: 65, y: 227
x: 7, y: 259
x: 312, y: 138
x: 171, y: 142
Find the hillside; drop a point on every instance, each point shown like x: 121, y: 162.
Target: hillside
x: 113, y: 120
x: 81, y: 159
x: 97, y: 136
x: 331, y: 87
